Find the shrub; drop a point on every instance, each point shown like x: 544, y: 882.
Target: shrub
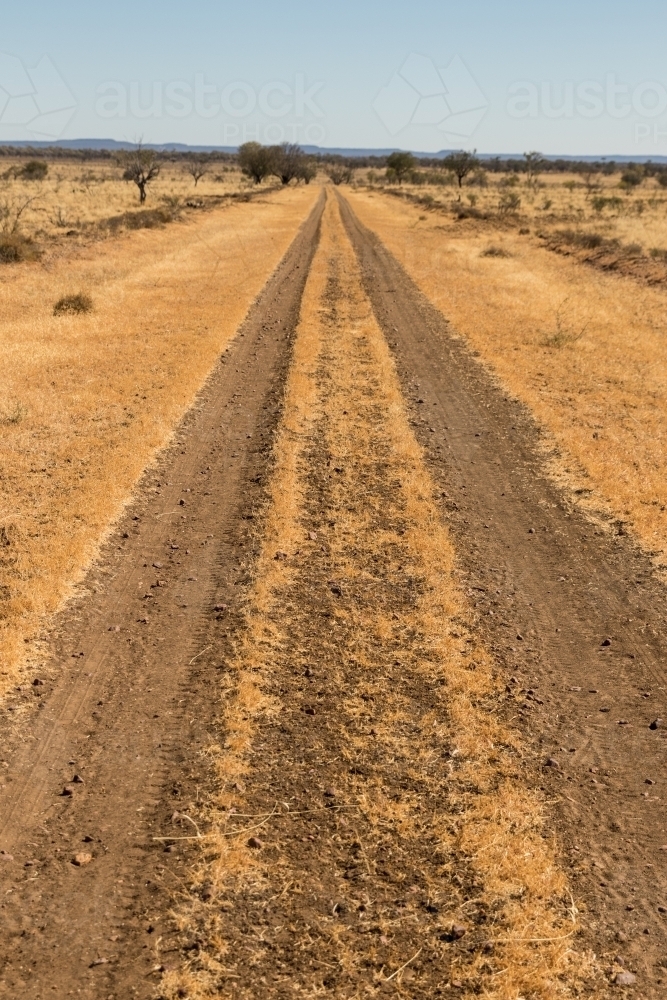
x: 14, y: 247
x: 73, y: 305
x: 631, y: 178
x: 509, y: 202
x: 493, y: 251
x: 34, y: 170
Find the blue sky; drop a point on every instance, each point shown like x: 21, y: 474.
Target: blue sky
x: 587, y: 77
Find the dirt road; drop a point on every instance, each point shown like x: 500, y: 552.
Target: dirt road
x: 128, y: 705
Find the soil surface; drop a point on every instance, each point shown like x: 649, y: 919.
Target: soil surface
x: 107, y: 743
x: 570, y: 607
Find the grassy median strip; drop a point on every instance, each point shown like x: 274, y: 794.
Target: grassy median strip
x: 372, y: 824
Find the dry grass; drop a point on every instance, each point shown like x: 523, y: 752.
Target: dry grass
x: 86, y: 399
x: 76, y: 194
x: 474, y: 831
x: 633, y: 216
x: 584, y: 350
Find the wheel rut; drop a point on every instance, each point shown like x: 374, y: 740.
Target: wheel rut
x: 99, y: 755
x: 571, y: 610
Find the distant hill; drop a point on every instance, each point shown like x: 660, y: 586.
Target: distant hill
x: 112, y: 145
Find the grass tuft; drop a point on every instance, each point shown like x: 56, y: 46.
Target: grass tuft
x: 73, y: 305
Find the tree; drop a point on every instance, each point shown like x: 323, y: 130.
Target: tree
x: 141, y: 166
x: 339, y: 174
x: 255, y: 160
x: 399, y: 165
x: 197, y: 166
x: 289, y: 163
x: 534, y: 161
x: 461, y: 164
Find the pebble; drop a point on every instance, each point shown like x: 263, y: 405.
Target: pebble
x: 606, y: 642
x: 656, y: 724
x: 82, y: 859
x: 67, y: 790
x: 458, y: 930
x: 625, y: 979
x: 37, y: 682
x: 157, y: 565
x: 77, y: 779
x: 552, y: 762
x: 255, y: 843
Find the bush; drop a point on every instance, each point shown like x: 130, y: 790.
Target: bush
x: 509, y: 202
x: 73, y: 305
x: 495, y: 252
x: 14, y: 247
x: 34, y: 170
x: 631, y: 179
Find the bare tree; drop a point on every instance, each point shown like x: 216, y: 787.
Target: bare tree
x: 591, y: 180
x: 197, y: 166
x: 255, y: 160
x: 533, y: 163
x: 461, y: 164
x: 141, y: 166
x: 289, y: 163
x: 339, y: 174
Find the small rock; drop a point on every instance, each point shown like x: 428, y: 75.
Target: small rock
x: 623, y: 722
x: 519, y: 637
x: 575, y: 689
x: 606, y: 642
x: 662, y: 909
x: 98, y: 961
x: 330, y: 793
x: 335, y: 588
x: 37, y: 682
x: 531, y: 531
x: 656, y: 724
x: 181, y: 503
x: 309, y: 710
x: 67, y: 790
x: 312, y: 535
x: 77, y: 779
x: 552, y: 762
x: 649, y: 781
x: 625, y: 979
x: 219, y: 607
x: 458, y: 930
x: 255, y: 843
x: 603, y: 709
x: 621, y: 936
x: 157, y: 565
x: 280, y: 556
x: 82, y: 859
x: 4, y: 856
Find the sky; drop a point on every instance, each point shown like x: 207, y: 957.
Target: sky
x: 573, y: 78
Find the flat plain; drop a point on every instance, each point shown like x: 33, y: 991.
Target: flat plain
x: 332, y: 648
